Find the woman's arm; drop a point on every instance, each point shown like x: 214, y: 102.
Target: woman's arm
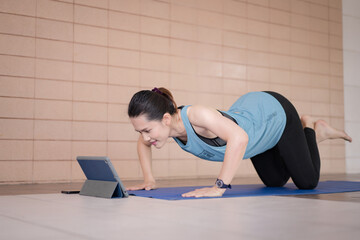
x: 235, y: 137
x: 144, y: 153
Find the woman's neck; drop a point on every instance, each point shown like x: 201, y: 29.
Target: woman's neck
x: 177, y: 126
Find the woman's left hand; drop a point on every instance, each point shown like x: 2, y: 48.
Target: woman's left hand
x: 205, y: 192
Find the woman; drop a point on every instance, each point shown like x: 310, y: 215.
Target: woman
x: 262, y: 126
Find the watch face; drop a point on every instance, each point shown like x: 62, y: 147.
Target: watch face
x: 219, y: 183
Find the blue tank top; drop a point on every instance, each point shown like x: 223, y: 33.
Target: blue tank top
x: 260, y: 115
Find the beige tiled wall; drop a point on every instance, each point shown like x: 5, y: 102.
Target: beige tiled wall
x: 69, y: 68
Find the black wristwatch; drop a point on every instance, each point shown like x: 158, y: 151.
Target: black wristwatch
x: 220, y: 184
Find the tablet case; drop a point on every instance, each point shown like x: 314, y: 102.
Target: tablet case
x: 102, y: 179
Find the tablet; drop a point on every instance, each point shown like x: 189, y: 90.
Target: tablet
x: 102, y: 179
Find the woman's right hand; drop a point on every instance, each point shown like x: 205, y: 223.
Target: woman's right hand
x: 143, y: 186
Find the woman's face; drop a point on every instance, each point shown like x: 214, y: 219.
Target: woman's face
x: 155, y: 132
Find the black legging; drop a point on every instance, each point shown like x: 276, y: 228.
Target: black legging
x: 296, y: 155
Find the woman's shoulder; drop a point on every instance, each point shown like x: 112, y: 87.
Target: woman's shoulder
x: 197, y: 114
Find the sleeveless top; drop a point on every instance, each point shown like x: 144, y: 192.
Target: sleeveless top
x: 259, y: 114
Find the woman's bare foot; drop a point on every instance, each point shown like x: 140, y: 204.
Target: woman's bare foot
x: 324, y: 131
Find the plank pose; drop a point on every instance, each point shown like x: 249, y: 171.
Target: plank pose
x: 262, y: 126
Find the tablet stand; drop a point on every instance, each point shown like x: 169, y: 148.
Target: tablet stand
x: 104, y: 189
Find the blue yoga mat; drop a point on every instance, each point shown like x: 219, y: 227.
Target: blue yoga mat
x: 252, y: 190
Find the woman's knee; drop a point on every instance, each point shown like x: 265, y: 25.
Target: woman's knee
x: 276, y: 182
x: 308, y: 185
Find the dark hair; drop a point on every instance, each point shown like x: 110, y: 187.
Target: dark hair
x: 154, y: 104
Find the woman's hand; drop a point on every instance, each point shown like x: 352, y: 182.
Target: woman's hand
x: 205, y: 192
x: 143, y: 186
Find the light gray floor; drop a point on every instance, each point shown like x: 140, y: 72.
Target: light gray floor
x: 60, y: 216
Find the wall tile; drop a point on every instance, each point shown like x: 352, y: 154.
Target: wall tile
x: 235, y: 24
x: 258, y: 74
x: 258, y: 28
x: 52, y: 130
x: 89, y: 111
x: 54, y: 10
x: 151, y: 79
x: 210, y: 19
x: 215, y: 69
x: 209, y: 35
x: 88, y: 148
x: 19, y: 7
x: 122, y: 150
x: 16, y: 108
x: 123, y: 76
x: 56, y: 30
x: 17, y: 45
x: 16, y: 87
x: 121, y: 39
x: 131, y: 6
x: 122, y: 132
x: 184, y: 168
x: 90, y: 16
x: 155, y: 44
x: 183, y: 65
x: 16, y: 150
x: 155, y: 9
x: 235, y: 8
x: 300, y: 7
x: 235, y: 55
x: 16, y: 171
x: 280, y: 17
x: 320, y: 25
x: 154, y: 61
x: 183, y: 48
x: 184, y: 31
x: 209, y: 52
x: 210, y: 5
x: 155, y: 26
x: 13, y: 24
x: 117, y: 113
x: 90, y: 54
x: 124, y: 21
x: 258, y: 43
x: 237, y: 40
x: 232, y: 86
x: 93, y: 3
x: 54, y: 50
x: 89, y: 131
x: 284, y: 5
x: 17, y: 66
x: 91, y: 35
x: 44, y: 109
x: 183, y: 14
x: 90, y: 92
x: 120, y: 94
x: 52, y: 150
x: 127, y: 169
x: 124, y: 58
x: 16, y: 129
x: 279, y: 32
x: 48, y: 89
x: 84, y: 72
x: 45, y: 171
x: 184, y: 82
x: 51, y: 69
x: 319, y: 11
x: 160, y: 168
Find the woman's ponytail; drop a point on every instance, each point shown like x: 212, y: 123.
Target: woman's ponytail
x: 154, y: 104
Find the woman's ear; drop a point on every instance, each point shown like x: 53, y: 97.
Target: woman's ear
x: 166, y: 120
